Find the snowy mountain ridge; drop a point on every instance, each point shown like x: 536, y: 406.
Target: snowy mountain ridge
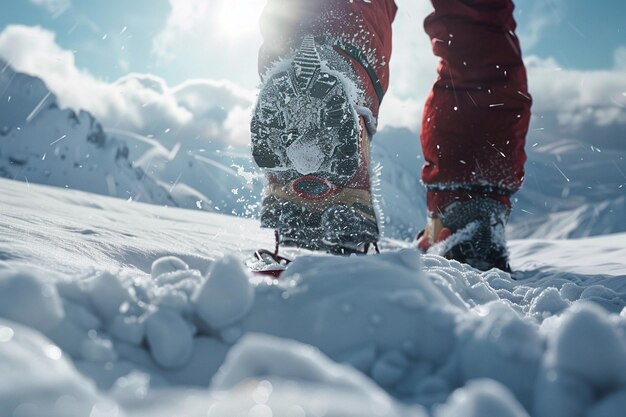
x: 42, y: 143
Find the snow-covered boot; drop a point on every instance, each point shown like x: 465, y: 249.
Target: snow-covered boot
x: 471, y: 232
x: 311, y: 137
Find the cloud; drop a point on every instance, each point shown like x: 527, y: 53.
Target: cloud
x: 412, y: 66
x: 619, y: 57
x: 541, y: 16
x: 586, y: 105
x: 141, y: 103
x: 577, y: 103
x: 55, y: 7
x: 219, y: 36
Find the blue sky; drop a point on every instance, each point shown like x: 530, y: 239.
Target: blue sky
x: 196, y: 63
x: 580, y: 34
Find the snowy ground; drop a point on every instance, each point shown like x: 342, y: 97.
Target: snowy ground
x: 96, y: 320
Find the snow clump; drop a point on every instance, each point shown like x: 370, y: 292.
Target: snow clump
x: 226, y: 295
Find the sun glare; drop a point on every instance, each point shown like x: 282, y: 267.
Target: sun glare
x: 238, y: 18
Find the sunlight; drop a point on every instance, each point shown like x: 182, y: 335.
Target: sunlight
x: 238, y: 18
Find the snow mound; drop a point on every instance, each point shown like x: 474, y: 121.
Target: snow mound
x: 226, y: 295
x: 262, y: 357
x: 150, y: 306
x: 222, y: 179
x: 481, y: 398
x: 21, y: 292
x: 39, y: 380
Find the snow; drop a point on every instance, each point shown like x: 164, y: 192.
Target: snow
x: 169, y: 337
x: 42, y: 143
x: 153, y: 313
x: 110, y: 307
x: 21, y: 291
x: 226, y: 295
x: 38, y: 378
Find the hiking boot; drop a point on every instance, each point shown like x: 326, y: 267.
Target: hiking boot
x: 312, y: 138
x: 471, y: 232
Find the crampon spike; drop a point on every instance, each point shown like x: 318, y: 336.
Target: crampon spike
x: 276, y: 264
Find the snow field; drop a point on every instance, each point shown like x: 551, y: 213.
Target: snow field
x: 425, y: 331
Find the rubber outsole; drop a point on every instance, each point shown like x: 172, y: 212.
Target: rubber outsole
x: 338, y: 229
x: 306, y: 135
x: 304, y: 122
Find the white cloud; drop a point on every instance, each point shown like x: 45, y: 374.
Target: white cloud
x: 219, y: 36
x: 141, y: 103
x: 619, y: 57
x: 55, y: 7
x: 581, y: 104
x: 412, y: 66
x: 569, y: 102
x: 541, y: 15
x: 577, y: 98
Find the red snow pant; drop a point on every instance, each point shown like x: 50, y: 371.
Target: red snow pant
x: 476, y: 116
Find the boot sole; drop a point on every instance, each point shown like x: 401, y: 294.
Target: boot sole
x: 306, y: 134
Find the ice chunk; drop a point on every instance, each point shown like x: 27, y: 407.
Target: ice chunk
x: 26, y: 298
x: 481, y: 398
x: 226, y: 295
x: 207, y: 357
x: 548, y: 301
x: 107, y: 295
x: 170, y: 338
x: 167, y: 264
x: 82, y: 317
x: 587, y: 344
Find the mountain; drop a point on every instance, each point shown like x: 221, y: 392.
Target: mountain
x: 42, y: 143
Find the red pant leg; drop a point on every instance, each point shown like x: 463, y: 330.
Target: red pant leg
x: 477, y: 114
x: 354, y: 26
